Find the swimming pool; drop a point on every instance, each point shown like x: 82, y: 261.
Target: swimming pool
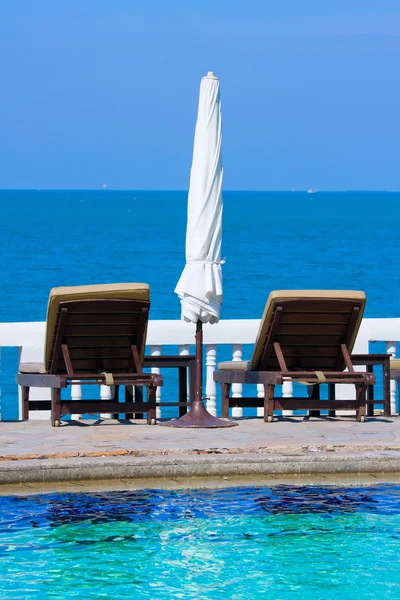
x: 313, y: 542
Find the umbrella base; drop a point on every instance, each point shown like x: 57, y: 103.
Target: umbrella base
x: 198, y: 416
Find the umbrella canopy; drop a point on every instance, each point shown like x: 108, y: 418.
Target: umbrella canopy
x: 200, y: 285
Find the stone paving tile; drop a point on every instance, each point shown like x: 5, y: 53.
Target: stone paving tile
x: 38, y: 439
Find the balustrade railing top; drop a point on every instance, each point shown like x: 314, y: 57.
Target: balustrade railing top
x: 175, y: 332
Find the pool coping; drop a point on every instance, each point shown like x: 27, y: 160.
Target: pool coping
x: 297, y: 462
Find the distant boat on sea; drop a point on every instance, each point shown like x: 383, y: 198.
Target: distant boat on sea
x: 311, y: 191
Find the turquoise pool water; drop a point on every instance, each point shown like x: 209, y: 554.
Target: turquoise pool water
x: 319, y: 543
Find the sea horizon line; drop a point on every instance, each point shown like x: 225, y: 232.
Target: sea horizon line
x: 185, y: 191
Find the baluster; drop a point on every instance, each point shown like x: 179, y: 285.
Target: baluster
x: 237, y: 411
x: 287, y: 392
x: 156, y: 351
x: 184, y: 350
x: 106, y: 394
x: 76, y: 394
x: 260, y: 394
x: 211, y: 388
x: 391, y: 349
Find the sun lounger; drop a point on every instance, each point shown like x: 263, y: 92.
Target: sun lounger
x: 95, y: 335
x: 305, y: 336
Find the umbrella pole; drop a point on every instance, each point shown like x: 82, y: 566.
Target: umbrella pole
x: 198, y: 395
x: 198, y: 415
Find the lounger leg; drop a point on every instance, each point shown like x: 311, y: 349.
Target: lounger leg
x: 370, y: 392
x: 55, y: 407
x: 226, y: 390
x: 129, y: 398
x: 331, y: 396
x: 116, y: 398
x: 138, y: 398
x: 269, y: 402
x: 386, y: 388
x: 152, y: 399
x: 314, y: 392
x: 361, y: 402
x: 25, y: 403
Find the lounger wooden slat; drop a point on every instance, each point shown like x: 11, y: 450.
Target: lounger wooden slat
x: 337, y: 329
x: 102, y: 306
x: 100, y: 330
x: 78, y: 353
x: 95, y: 364
x: 304, y: 336
x: 306, y: 352
x: 310, y: 305
x: 309, y: 340
x: 106, y: 319
x: 314, y: 318
x: 97, y: 341
x: 95, y: 335
x: 324, y: 362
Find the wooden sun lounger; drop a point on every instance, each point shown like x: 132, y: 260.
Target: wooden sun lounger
x: 304, y: 336
x: 95, y: 335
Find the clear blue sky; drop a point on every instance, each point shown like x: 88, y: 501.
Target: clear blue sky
x: 105, y: 91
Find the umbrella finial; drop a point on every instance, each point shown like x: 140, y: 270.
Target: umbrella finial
x: 210, y: 75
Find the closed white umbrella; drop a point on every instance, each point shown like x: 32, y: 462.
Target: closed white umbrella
x: 200, y: 285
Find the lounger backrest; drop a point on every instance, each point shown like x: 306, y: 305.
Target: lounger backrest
x: 310, y: 326
x: 100, y: 324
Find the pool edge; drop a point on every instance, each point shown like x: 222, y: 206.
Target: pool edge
x: 201, y: 466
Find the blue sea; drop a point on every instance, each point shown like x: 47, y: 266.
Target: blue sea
x: 271, y: 240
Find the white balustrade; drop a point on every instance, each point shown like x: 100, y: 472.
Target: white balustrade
x: 29, y: 339
x: 237, y: 352
x: 391, y: 349
x: 156, y: 351
x: 211, y: 388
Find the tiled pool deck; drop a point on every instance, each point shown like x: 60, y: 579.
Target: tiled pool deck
x: 34, y: 452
